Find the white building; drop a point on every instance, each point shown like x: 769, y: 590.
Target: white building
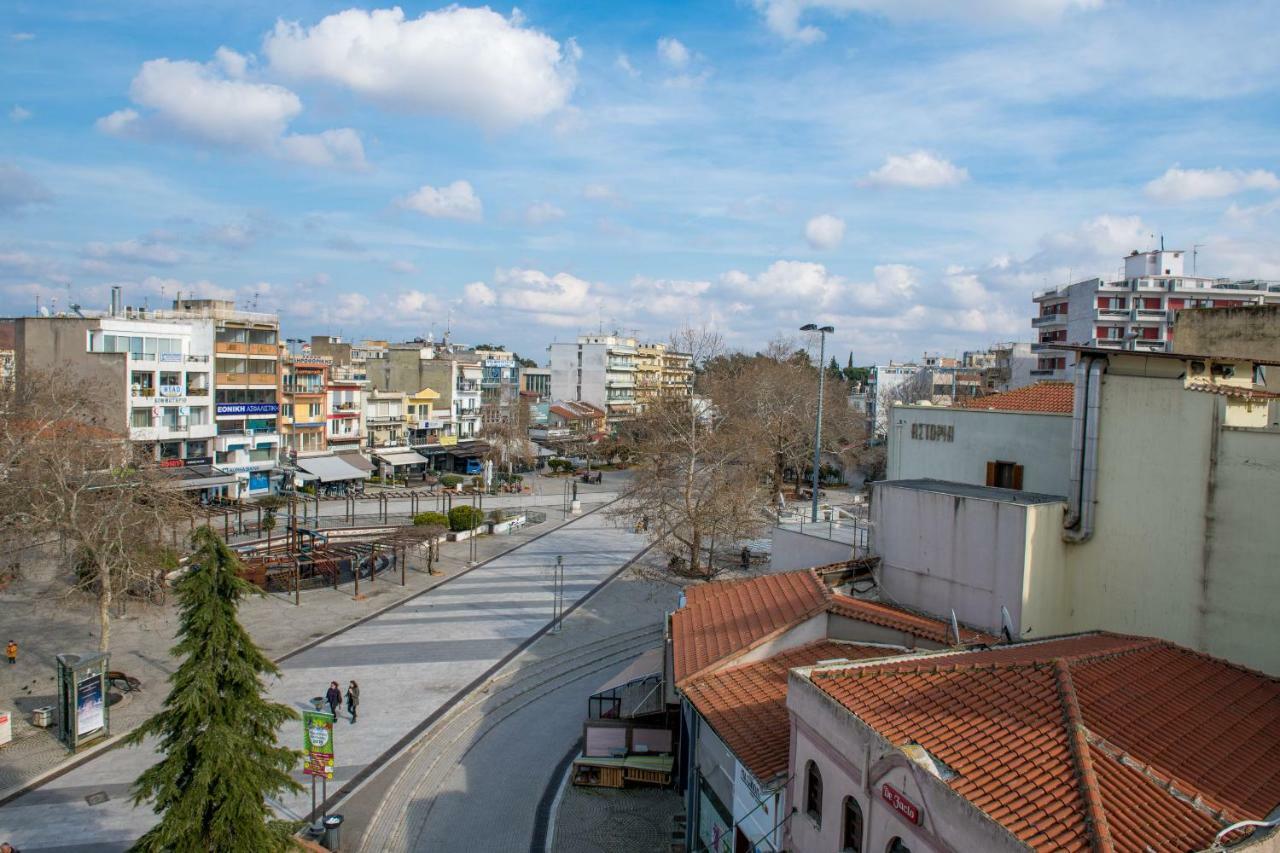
x: 1135, y: 313
x: 882, y: 383
x: 597, y: 369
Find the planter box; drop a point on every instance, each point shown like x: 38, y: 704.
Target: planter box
x: 506, y: 525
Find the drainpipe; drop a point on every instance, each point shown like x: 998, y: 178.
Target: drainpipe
x: 1078, y: 523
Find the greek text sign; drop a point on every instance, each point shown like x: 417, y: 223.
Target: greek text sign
x: 317, y: 743
x: 901, y: 804
x: 933, y: 432
x: 248, y: 408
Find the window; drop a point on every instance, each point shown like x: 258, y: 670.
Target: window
x: 813, y: 793
x: 851, y: 833
x: 140, y: 418
x: 1004, y: 475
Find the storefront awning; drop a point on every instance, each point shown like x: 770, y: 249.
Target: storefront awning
x: 205, y: 482
x: 477, y: 448
x: 355, y: 459
x: 331, y: 469
x: 400, y: 457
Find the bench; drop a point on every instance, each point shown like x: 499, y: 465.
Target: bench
x: 126, y: 683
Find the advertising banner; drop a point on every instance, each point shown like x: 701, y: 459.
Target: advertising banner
x: 89, y: 704
x: 248, y: 408
x: 317, y: 743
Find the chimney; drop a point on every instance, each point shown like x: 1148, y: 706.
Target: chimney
x: 115, y: 300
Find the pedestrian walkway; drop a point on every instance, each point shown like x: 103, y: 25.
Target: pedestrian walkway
x: 411, y: 661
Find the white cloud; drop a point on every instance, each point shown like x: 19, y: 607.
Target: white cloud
x: 403, y: 267
x: 22, y: 36
x: 788, y: 282
x: 143, y: 251
x: 209, y: 103
x: 472, y: 63
x: 1177, y: 185
x: 917, y: 170
x: 479, y: 293
x: 667, y: 297
x: 673, y: 53
x: 542, y: 212
x: 235, y: 235
x: 783, y: 16
x: 599, y: 192
x: 170, y: 287
x: 337, y: 147
x: 19, y: 189
x: 456, y: 201
x: 624, y: 65
x: 19, y: 114
x: 824, y: 231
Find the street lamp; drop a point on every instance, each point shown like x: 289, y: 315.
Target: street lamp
x: 817, y: 430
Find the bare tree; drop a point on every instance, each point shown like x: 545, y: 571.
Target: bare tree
x: 508, y: 438
x: 69, y: 476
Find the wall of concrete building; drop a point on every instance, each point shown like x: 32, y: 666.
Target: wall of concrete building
x: 794, y: 550
x: 1047, y: 606
x: 957, y: 552
x: 1252, y: 332
x: 1041, y: 443
x: 59, y: 346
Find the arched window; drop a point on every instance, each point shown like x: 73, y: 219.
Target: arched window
x: 896, y: 846
x: 851, y: 834
x: 813, y: 792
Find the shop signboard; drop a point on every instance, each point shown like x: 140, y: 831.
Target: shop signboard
x: 170, y: 357
x: 197, y: 460
x: 171, y: 391
x: 317, y: 743
x: 248, y: 408
x: 899, y: 803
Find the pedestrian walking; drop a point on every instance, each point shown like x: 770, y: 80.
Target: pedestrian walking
x: 6, y: 847
x: 334, y: 698
x: 11, y: 652
x: 746, y: 558
x: 353, y: 700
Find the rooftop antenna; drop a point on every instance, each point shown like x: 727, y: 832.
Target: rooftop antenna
x: 1006, y: 624
x: 955, y: 626
x: 1195, y: 250
x: 253, y: 306
x: 1162, y: 242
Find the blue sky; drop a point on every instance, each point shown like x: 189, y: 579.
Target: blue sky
x: 908, y: 171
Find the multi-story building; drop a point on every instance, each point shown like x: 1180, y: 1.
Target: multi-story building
x: 597, y: 369
x: 677, y: 374
x: 499, y: 386
x: 1135, y: 313
x: 535, y: 383
x: 661, y: 373
x: 883, y: 384
x: 1005, y: 366
x: 344, y: 409
x: 304, y: 404
x: 384, y: 418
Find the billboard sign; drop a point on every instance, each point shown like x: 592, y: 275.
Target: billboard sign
x: 248, y: 408
x: 317, y: 743
x: 89, y: 705
x: 899, y: 803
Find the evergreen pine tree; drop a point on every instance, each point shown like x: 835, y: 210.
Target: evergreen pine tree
x: 217, y: 731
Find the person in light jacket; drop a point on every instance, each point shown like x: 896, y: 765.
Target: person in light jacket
x: 353, y: 700
x: 334, y: 698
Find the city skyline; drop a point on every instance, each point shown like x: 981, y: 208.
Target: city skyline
x: 910, y: 176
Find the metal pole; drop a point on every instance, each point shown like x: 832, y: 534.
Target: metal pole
x: 817, y: 438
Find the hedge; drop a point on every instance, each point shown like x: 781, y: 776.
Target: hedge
x: 450, y: 481
x: 465, y: 518
x: 424, y: 518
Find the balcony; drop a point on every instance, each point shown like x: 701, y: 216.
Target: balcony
x: 1111, y: 314
x: 230, y: 348
x: 1049, y: 320
x: 1113, y: 286
x: 1152, y: 284
x: 1044, y: 371
x: 1042, y: 346
x: 243, y: 379
x: 1149, y: 345
x: 268, y: 350
x: 1108, y: 343
x: 1150, y: 315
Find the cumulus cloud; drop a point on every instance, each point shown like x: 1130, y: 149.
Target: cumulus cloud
x: 542, y: 212
x: 143, y: 251
x: 471, y: 63
x: 1177, y: 185
x: 917, y: 170
x: 783, y: 17
x: 210, y: 104
x: 20, y: 190
x: 788, y: 281
x: 19, y: 114
x: 669, y: 297
x: 456, y: 201
x: 233, y: 64
x: 673, y: 53
x: 479, y: 293
x: 624, y: 65
x: 824, y: 232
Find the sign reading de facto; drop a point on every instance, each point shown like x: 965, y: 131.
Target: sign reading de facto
x: 901, y: 804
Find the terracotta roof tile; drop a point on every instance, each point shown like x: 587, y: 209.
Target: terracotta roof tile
x: 888, y: 616
x: 747, y: 705
x: 1097, y: 740
x: 1055, y: 397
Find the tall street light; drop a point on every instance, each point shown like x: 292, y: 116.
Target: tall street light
x: 817, y: 430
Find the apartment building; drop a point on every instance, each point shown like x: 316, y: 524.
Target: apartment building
x: 453, y: 373
x: 152, y: 373
x: 661, y: 373
x: 677, y: 374
x: 344, y: 409
x: 1135, y: 313
x: 384, y: 418
x: 535, y: 383
x: 304, y: 416
x: 499, y: 385
x: 618, y: 374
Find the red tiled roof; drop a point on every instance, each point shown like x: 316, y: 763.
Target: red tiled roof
x: 747, y: 704
x: 721, y: 618
x: 1054, y: 397
x: 1094, y: 741
x: 727, y: 617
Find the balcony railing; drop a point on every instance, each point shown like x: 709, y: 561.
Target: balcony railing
x: 1150, y: 314
x: 198, y: 359
x: 1048, y: 319
x: 1041, y: 346
x: 1104, y: 313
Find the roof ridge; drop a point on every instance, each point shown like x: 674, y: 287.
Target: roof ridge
x: 1077, y: 738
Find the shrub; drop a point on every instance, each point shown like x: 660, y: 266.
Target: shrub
x: 425, y: 518
x: 450, y: 481
x: 559, y: 464
x: 465, y: 518
x: 516, y: 478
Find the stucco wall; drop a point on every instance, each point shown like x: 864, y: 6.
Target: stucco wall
x: 1041, y: 443
x: 1047, y: 608
x: 1252, y: 332
x: 793, y: 550
x: 941, y: 551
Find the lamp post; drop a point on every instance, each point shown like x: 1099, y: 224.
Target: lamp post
x: 817, y: 431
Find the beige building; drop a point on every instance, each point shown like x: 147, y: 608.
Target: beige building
x: 1168, y: 527
x: 1251, y: 331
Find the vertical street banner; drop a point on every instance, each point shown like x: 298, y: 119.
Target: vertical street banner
x: 317, y: 743
x: 89, y: 705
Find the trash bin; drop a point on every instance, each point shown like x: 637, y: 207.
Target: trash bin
x: 317, y: 702
x: 42, y: 717
x: 332, y: 839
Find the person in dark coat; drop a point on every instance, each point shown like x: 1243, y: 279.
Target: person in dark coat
x: 334, y: 698
x: 353, y: 699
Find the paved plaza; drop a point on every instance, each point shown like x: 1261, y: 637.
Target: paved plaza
x: 411, y: 661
